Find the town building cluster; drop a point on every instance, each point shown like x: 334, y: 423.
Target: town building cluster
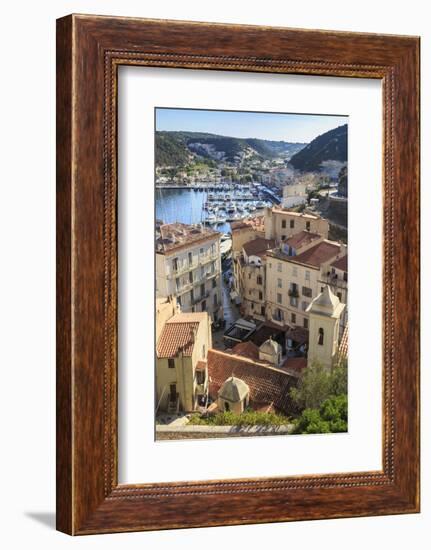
x: 290, y: 283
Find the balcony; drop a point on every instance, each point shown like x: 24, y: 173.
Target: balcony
x: 199, y: 299
x: 205, y: 258
x: 293, y: 292
x: 183, y: 268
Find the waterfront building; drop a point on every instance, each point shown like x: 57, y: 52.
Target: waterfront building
x: 181, y: 369
x: 188, y: 267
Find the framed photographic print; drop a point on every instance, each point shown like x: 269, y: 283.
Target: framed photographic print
x: 237, y: 274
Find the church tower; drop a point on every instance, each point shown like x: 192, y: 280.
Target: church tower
x: 324, y: 328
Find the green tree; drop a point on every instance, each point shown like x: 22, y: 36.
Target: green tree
x: 330, y: 417
x: 313, y: 388
x: 310, y: 422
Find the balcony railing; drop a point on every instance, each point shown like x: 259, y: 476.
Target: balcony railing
x: 198, y: 299
x: 183, y: 268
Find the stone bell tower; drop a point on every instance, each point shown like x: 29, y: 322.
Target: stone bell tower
x: 324, y: 328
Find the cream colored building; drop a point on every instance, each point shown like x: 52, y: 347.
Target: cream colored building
x: 188, y: 267
x: 165, y: 309
x: 181, y: 368
x: 233, y: 396
x: 281, y: 224
x: 294, y: 276
x: 337, y: 278
x: 294, y: 195
x: 325, y: 312
x: 250, y: 276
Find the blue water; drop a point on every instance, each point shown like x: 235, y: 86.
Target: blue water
x: 185, y: 206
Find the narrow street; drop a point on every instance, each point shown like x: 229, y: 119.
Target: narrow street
x: 230, y: 313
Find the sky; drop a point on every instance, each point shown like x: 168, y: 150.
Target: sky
x: 243, y: 124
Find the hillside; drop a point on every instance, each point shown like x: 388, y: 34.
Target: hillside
x: 177, y: 148
x: 330, y: 146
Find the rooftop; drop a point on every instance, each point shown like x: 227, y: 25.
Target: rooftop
x: 315, y: 256
x: 257, y: 246
x: 341, y: 263
x: 267, y: 384
x: 302, y: 238
x: 172, y: 236
x: 178, y: 334
x: 279, y: 210
x: 257, y: 223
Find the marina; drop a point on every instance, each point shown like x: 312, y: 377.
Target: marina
x: 216, y: 207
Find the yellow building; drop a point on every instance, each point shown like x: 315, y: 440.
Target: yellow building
x: 165, y: 309
x: 294, y: 276
x: 280, y: 224
x: 324, y: 332
x: 251, y: 277
x: 181, y: 371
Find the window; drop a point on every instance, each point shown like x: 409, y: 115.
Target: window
x: 292, y: 224
x: 279, y: 283
x: 175, y: 264
x: 307, y: 226
x: 279, y: 267
x: 202, y: 290
x: 270, y: 265
x: 339, y: 296
x: 262, y: 310
x: 250, y: 292
x: 179, y: 300
x: 306, y: 291
x: 215, y: 300
x: 293, y: 317
x: 192, y: 295
x: 305, y: 323
x: 178, y: 283
x: 259, y: 280
x: 252, y: 305
x: 283, y: 224
x: 293, y: 301
x: 190, y: 276
x: 283, y: 237
x: 226, y: 406
x: 171, y: 363
x: 321, y: 289
x: 321, y: 337
x: 307, y: 275
x: 260, y: 295
x: 204, y: 306
x: 279, y: 315
x: 201, y: 251
x: 345, y: 276
x: 279, y: 298
x: 190, y: 258
x: 249, y: 275
x: 214, y: 283
x: 294, y: 271
x: 200, y: 377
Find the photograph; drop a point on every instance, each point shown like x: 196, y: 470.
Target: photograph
x: 251, y: 273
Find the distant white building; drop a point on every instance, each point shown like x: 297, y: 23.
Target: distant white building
x: 294, y: 195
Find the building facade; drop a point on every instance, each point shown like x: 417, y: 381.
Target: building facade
x: 188, y: 267
x: 281, y: 224
x: 181, y: 368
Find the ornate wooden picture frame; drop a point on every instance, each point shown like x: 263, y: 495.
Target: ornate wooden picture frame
x: 89, y: 51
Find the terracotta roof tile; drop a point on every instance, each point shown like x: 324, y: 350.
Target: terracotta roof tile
x: 246, y: 349
x: 257, y: 246
x: 302, y: 238
x: 317, y: 255
x: 267, y: 385
x: 341, y: 263
x: 177, y: 334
